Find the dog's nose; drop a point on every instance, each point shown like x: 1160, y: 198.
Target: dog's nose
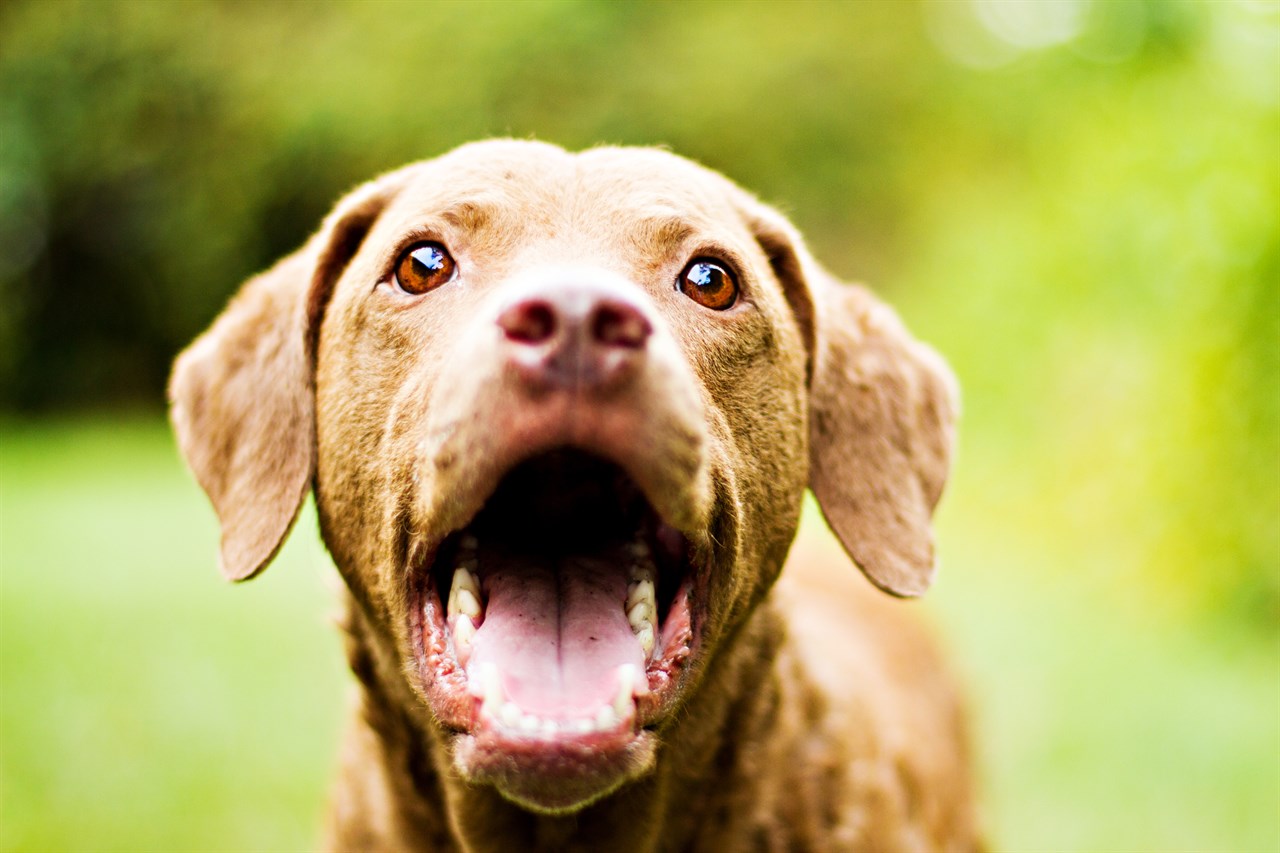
x: 574, y: 337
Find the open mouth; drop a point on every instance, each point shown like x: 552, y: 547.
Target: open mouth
x: 559, y: 618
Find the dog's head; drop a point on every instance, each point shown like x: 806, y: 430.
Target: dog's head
x: 559, y: 411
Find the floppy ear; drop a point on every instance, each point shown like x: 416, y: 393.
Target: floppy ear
x: 881, y: 416
x: 242, y: 397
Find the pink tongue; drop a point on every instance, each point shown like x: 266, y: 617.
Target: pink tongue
x: 556, y: 630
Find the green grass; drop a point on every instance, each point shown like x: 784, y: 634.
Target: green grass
x: 148, y: 705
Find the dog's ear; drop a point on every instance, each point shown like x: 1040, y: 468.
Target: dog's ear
x: 881, y: 415
x: 242, y: 397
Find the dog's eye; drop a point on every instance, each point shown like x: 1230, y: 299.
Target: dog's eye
x: 423, y: 267
x: 709, y: 284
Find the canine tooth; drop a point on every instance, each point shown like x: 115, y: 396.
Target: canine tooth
x: 464, y: 631
x: 493, y: 693
x: 510, y: 715
x: 468, y: 604
x: 475, y: 680
x: 606, y: 718
x: 463, y: 579
x: 622, y: 700
x: 486, y: 684
x: 641, y: 590
x: 639, y: 680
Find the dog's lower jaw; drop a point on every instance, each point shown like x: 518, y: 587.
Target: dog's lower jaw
x: 577, y: 777
x: 414, y: 799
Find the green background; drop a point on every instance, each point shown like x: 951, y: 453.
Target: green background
x: 1078, y: 203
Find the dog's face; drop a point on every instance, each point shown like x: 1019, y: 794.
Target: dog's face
x: 557, y: 411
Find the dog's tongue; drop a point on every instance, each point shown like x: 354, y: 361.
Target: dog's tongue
x: 556, y: 629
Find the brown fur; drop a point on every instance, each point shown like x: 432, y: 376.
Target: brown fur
x: 814, y: 714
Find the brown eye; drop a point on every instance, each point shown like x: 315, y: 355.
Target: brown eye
x: 423, y: 267
x: 709, y: 284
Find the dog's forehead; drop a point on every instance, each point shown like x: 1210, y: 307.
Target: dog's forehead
x: 514, y: 188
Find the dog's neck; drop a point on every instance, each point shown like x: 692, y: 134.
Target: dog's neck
x: 414, y: 795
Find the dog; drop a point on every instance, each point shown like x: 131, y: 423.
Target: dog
x: 558, y: 412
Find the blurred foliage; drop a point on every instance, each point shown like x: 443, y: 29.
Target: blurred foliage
x: 1080, y: 203
x: 1077, y: 202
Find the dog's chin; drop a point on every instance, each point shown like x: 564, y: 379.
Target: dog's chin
x: 555, y: 779
x: 553, y: 632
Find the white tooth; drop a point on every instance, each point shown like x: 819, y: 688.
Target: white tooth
x: 646, y: 638
x: 529, y: 724
x: 493, y: 693
x: 582, y: 726
x: 464, y: 631
x: 639, y: 681
x: 622, y: 701
x: 485, y: 683
x: 468, y: 604
x: 510, y: 715
x: 606, y: 719
x: 641, y: 590
x: 550, y: 728
x: 640, y: 614
x: 464, y: 579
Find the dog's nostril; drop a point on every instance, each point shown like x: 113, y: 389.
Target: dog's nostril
x: 528, y: 322
x: 619, y: 326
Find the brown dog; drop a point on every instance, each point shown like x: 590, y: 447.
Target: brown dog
x: 558, y: 412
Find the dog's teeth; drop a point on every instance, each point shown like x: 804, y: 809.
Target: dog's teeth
x: 467, y: 542
x: 645, y: 635
x: 492, y: 682
x: 642, y: 567
x: 486, y: 684
x: 475, y: 680
x: 582, y: 726
x: 641, y: 590
x: 464, y: 594
x: 464, y: 631
x: 642, y: 610
x: 550, y: 728
x: 509, y: 714
x: 529, y: 724
x: 623, y: 703
x: 606, y: 718
x: 468, y: 605
x: 639, y: 615
x: 639, y: 680
x: 465, y: 579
